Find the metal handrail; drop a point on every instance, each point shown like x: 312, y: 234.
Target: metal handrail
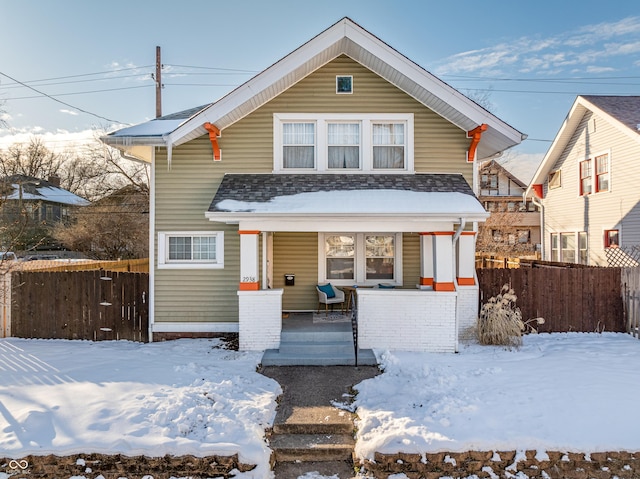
x: 354, y: 324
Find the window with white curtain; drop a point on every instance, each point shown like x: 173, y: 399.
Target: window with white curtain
x: 388, y: 145
x: 343, y: 141
x: 343, y: 145
x: 298, y: 145
x: 191, y: 250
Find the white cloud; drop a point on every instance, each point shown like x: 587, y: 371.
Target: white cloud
x: 69, y: 112
x: 578, y: 49
x: 597, y: 69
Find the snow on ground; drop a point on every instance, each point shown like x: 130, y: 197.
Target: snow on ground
x: 177, y: 397
x: 572, y: 392
x: 567, y: 392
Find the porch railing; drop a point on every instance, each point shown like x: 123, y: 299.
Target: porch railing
x: 354, y: 323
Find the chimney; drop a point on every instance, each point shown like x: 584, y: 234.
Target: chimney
x: 54, y: 180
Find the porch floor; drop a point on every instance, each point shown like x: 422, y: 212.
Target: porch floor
x: 305, y: 343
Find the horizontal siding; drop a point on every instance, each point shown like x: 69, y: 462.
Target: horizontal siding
x: 296, y: 253
x: 567, y: 211
x: 410, y: 260
x: 184, y: 192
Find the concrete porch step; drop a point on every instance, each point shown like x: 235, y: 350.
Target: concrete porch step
x: 312, y: 447
x: 317, y: 347
x: 293, y: 470
x: 323, y: 357
x: 315, y: 420
x: 316, y: 336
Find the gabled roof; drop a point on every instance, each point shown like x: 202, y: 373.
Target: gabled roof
x: 623, y: 112
x: 28, y: 188
x: 343, y: 38
x: 519, y: 169
x: 435, y: 196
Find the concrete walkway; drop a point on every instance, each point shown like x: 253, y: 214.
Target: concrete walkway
x: 305, y: 410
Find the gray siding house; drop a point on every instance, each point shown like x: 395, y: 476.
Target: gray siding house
x: 587, y: 184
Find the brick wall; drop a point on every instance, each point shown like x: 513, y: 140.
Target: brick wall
x: 407, y: 320
x: 260, y: 315
x: 468, y: 297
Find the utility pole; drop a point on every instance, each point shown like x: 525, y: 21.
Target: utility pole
x: 158, y: 80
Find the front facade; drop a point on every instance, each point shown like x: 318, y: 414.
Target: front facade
x: 587, y: 185
x: 514, y: 224
x: 337, y: 164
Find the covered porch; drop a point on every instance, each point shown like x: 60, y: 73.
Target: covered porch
x: 428, y: 229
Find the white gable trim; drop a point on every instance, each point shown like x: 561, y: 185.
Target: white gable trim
x: 580, y: 106
x: 346, y: 37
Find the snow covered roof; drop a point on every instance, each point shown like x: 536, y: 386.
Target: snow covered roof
x: 343, y: 38
x: 435, y: 196
x: 520, y: 168
x: 29, y: 188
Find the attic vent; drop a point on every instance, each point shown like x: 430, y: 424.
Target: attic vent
x: 344, y: 84
x: 592, y: 125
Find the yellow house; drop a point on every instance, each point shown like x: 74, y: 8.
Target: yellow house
x: 342, y: 163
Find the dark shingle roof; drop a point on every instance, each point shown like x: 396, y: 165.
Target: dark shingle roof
x: 265, y: 187
x: 625, y: 109
x: 184, y: 114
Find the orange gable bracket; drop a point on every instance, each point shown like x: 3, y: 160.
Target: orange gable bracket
x: 214, y: 134
x: 475, y: 136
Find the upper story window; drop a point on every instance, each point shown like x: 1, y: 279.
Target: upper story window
x: 602, y: 172
x: 555, y: 179
x: 343, y: 142
x: 595, y: 174
x: 489, y: 181
x: 585, y: 177
x: 344, y: 84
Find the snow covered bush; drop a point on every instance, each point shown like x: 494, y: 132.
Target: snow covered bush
x: 500, y: 321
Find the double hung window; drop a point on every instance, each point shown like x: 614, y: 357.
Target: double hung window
x: 585, y: 177
x: 299, y: 145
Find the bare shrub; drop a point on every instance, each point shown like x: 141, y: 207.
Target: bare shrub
x: 500, y: 322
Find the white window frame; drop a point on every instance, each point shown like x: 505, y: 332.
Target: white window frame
x: 366, y: 121
x: 360, y: 261
x: 350, y: 91
x: 163, y: 251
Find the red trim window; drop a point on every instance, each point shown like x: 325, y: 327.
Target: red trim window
x: 611, y: 238
x: 602, y: 173
x: 585, y: 177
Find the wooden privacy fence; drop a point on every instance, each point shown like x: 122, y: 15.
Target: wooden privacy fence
x: 94, y: 305
x: 569, y: 299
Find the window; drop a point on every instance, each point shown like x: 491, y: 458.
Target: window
x: 555, y: 179
x: 569, y: 247
x: 341, y: 141
x: 496, y: 235
x: 343, y: 145
x: 360, y: 258
x: 555, y: 247
x: 191, y: 250
x: 344, y: 84
x: 583, y: 251
x: 388, y: 146
x: 298, y: 145
x: 523, y: 236
x: 489, y: 181
x: 611, y: 238
x: 602, y: 173
x: 585, y: 177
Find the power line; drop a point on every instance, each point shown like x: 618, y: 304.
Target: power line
x: 78, y: 93
x: 85, y: 74
x: 60, y: 101
x: 17, y: 85
x: 209, y: 68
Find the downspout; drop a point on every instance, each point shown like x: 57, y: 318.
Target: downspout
x: 456, y: 236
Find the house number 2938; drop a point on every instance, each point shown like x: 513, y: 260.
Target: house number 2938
x: 248, y: 279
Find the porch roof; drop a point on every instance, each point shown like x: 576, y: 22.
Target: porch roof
x: 440, y: 197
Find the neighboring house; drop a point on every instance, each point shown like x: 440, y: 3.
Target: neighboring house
x: 587, y: 184
x: 514, y: 224
x: 36, y: 205
x: 344, y: 162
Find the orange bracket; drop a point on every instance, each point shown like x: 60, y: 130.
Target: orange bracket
x: 538, y: 190
x: 475, y: 136
x: 214, y: 134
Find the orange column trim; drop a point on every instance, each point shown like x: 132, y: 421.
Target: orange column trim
x: 468, y: 233
x: 443, y: 233
x: 249, y: 286
x: 426, y: 281
x: 444, y: 287
x: 475, y: 136
x: 214, y: 134
x: 466, y: 282
x: 249, y: 232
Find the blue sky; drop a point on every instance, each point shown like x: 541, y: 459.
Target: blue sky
x: 530, y: 59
